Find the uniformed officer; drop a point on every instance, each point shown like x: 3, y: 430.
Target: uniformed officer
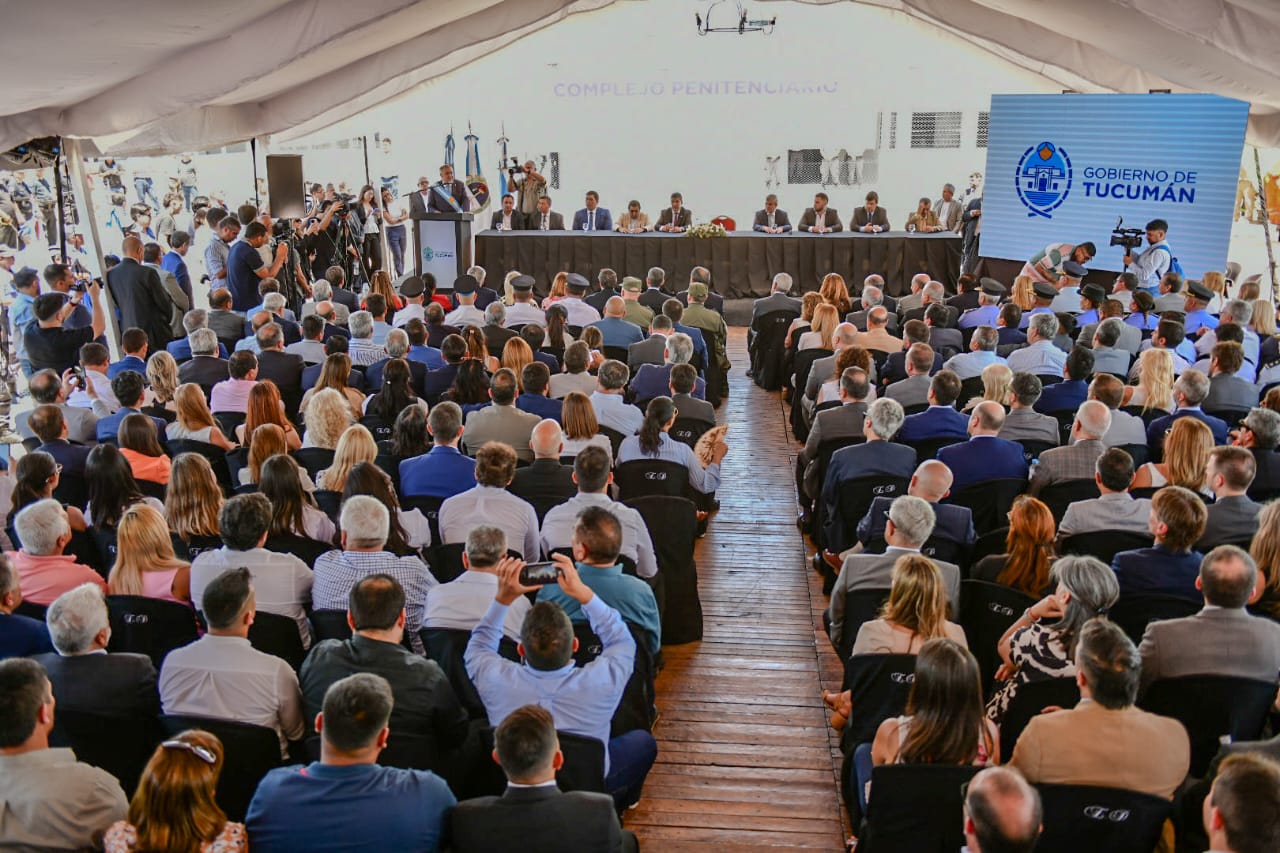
x: 988, y: 310
x: 1045, y: 294
x: 1091, y: 299
x: 1068, y: 299
x: 1198, y: 299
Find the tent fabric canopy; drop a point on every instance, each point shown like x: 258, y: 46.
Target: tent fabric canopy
x: 153, y: 77
x: 1220, y: 47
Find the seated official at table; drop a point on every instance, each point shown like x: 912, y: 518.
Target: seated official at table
x: 871, y: 217
x: 924, y: 220
x: 677, y: 217
x: 771, y: 220
x: 633, y: 221
x: 820, y: 219
x: 593, y: 217
x: 545, y: 219
x: 506, y: 219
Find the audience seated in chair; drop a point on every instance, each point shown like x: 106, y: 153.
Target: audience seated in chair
x: 1115, y: 508
x: 223, y: 677
x: 1170, y: 566
x: 981, y: 354
x: 328, y: 804
x: 1028, y: 551
x: 490, y: 500
x: 20, y: 636
x: 1068, y: 394
x: 984, y: 456
x: 44, y: 571
x: 444, y: 471
x: 1242, y: 811
x: 940, y: 420
x: 1022, y: 422
x: 586, y: 696
x: 1001, y: 812
x: 1232, y: 518
x: 1078, y: 460
x: 654, y: 443
x: 1259, y: 433
x: 931, y: 482
x: 914, y: 389
x: 545, y: 483
x: 53, y: 801
x: 1189, y: 392
x: 1125, y: 428
x: 878, y: 456
x: 460, y: 604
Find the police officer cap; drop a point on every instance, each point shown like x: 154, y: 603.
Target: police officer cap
x: 1199, y: 291
x: 991, y: 287
x: 1044, y: 290
x: 631, y: 284
x: 1074, y: 270
x: 577, y: 282
x: 522, y: 283
x: 465, y: 284
x: 1094, y: 292
x: 412, y: 286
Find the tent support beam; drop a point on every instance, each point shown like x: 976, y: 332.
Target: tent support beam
x: 1266, y: 225
x: 84, y: 208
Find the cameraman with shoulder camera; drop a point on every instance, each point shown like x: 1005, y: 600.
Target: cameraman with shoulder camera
x: 1151, y: 265
x: 320, y: 239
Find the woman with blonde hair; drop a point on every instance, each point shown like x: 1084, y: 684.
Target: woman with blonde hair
x: 559, y: 287
x: 1024, y: 565
x: 478, y: 349
x: 192, y: 504
x: 516, y: 353
x: 808, y: 304
x: 174, y: 808
x: 1263, y: 323
x: 145, y: 563
x: 1155, y: 382
x: 997, y: 385
x: 356, y: 445
x: 328, y: 415
x: 581, y: 429
x: 1217, y: 284
x: 195, y: 422
x: 333, y: 375
x: 508, y: 292
x: 1186, y: 459
x: 267, y: 407
x: 1023, y: 294
x: 1265, y: 551
x: 162, y: 376
x: 835, y: 292
x: 821, y: 334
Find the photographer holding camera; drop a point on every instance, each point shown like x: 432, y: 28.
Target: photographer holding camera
x: 1150, y: 265
x: 532, y: 187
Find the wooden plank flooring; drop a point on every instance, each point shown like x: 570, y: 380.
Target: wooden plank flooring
x: 746, y: 760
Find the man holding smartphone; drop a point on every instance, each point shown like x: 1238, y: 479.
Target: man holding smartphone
x: 52, y: 346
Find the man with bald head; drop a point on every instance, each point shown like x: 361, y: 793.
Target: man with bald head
x: 845, y: 335
x: 878, y: 337
x: 1001, y: 813
x: 614, y: 327
x: 1078, y: 460
x: 984, y: 456
x: 545, y: 482
x: 930, y: 482
x: 140, y: 296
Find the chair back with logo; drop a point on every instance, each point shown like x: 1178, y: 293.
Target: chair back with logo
x: 860, y: 606
x: 216, y: 455
x: 880, y: 685
x: 989, y: 501
x: 644, y: 477
x: 1100, y: 820
x: 689, y: 430
x: 768, y: 348
x: 916, y: 807
x: 1209, y: 707
x: 1028, y: 701
x: 673, y: 528
x: 149, y: 626
x: 854, y: 498
x: 986, y: 612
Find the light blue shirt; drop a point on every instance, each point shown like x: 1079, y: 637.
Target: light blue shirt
x: 380, y: 330
x: 967, y: 365
x: 1150, y: 266
x: 983, y: 315
x: 1040, y: 358
x: 20, y: 316
x: 705, y: 480
x: 581, y: 699
x: 616, y: 413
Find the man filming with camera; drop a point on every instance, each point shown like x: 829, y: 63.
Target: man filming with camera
x: 1151, y: 265
x: 532, y: 187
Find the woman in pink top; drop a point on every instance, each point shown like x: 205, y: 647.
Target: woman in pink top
x: 140, y: 445
x: 145, y: 563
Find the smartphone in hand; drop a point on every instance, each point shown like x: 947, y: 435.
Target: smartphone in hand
x: 539, y: 574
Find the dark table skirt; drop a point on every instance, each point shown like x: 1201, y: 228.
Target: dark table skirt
x: 742, y: 264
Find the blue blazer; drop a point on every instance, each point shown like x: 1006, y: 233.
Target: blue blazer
x: 954, y: 523
x: 1158, y: 571
x: 873, y: 459
x: 540, y: 405
x: 1158, y: 427
x: 654, y: 380
x: 181, y: 351
x: 430, y: 356
x: 604, y: 222
x: 617, y: 332
x: 70, y: 456
x: 1061, y: 396
x: 983, y: 457
x: 109, y: 426
x: 934, y: 422
x: 131, y: 362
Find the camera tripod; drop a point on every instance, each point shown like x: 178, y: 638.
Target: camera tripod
x: 348, y: 246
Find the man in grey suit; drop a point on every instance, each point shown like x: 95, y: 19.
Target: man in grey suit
x: 1125, y: 428
x: 1226, y: 389
x: 910, y: 525
x: 914, y: 390
x: 871, y: 218
x: 1223, y: 638
x: 1115, y: 508
x: 1076, y: 461
x: 48, y: 390
x: 1171, y: 297
x: 501, y: 421
x: 1130, y: 339
x: 652, y: 350
x: 777, y: 300
x: 820, y: 219
x: 843, y: 422
x: 872, y: 296
x: 845, y: 335
x: 1108, y: 355
x: 771, y: 220
x: 1233, y: 517
x: 943, y: 339
x: 684, y: 379
x: 1023, y: 423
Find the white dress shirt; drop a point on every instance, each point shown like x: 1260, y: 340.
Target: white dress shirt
x: 464, y: 315
x: 557, y: 529
x: 580, y: 313
x: 102, y: 385
x: 228, y: 679
x: 525, y: 312
x: 461, y: 603
x: 491, y: 505
x: 411, y: 311
x: 281, y: 582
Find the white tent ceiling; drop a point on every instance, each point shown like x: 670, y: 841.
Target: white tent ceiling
x: 158, y: 76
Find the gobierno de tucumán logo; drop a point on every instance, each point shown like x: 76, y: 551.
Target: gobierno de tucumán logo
x: 1043, y: 179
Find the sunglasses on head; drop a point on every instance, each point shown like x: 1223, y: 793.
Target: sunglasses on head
x: 195, y: 749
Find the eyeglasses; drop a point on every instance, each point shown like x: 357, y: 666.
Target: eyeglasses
x: 195, y: 749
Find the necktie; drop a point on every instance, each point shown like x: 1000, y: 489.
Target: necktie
x: 591, y: 220
x: 545, y: 226
x: 770, y: 220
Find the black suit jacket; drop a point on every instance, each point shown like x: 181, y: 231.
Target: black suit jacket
x: 517, y: 220
x: 830, y: 219
x: 953, y: 316
x: 544, y: 478
x: 204, y: 370
x: 142, y: 300
x: 70, y: 456
x: 683, y: 220
x: 895, y: 367
x: 292, y: 331
x: 780, y: 220
x: 544, y: 820
x: 284, y: 369
x: 311, y: 375
x: 653, y: 297
x: 436, y: 204
x: 417, y: 376
x: 439, y: 381
x: 598, y: 299
x: 495, y: 338
x: 118, y: 685
x: 437, y: 334
x: 860, y: 218
x: 533, y: 221
x: 345, y: 297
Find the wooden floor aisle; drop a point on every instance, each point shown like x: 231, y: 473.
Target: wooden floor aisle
x: 746, y: 760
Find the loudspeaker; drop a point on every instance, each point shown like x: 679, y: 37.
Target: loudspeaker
x: 284, y: 186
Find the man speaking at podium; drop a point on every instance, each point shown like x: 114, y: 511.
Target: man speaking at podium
x: 445, y: 196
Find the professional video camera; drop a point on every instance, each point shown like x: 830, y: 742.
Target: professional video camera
x: 282, y: 229
x: 1128, y: 238
x: 516, y: 172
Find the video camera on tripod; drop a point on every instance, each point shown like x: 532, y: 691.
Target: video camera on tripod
x: 1127, y: 238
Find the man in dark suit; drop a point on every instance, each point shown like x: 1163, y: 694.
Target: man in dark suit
x: 446, y: 195
x: 1189, y: 391
x: 945, y: 341
x: 1074, y: 390
x: 676, y: 218
x: 228, y: 325
x: 533, y: 813
x: 871, y: 218
x: 895, y: 365
x: 702, y: 275
x: 771, y: 220
x: 283, y: 368
x: 984, y: 456
x: 607, y: 279
x: 495, y: 335
x: 652, y: 350
x: 545, y: 219
x: 1259, y: 433
x: 397, y: 347
x: 872, y: 296
x: 877, y: 456
x: 140, y: 296
x: 535, y: 381
x: 967, y: 298
x: 931, y: 482
x: 654, y: 295
x: 545, y: 482
x: 205, y: 368
x: 931, y: 293
x: 1226, y: 389
x: 843, y: 422
x: 820, y: 219
x: 506, y: 218
x: 593, y: 217
x: 1232, y: 517
x: 940, y: 420
x: 1171, y: 566
x: 684, y: 380
x: 453, y: 349
x: 51, y: 428
x: 84, y: 676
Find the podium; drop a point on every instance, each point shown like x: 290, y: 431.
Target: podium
x: 443, y: 246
